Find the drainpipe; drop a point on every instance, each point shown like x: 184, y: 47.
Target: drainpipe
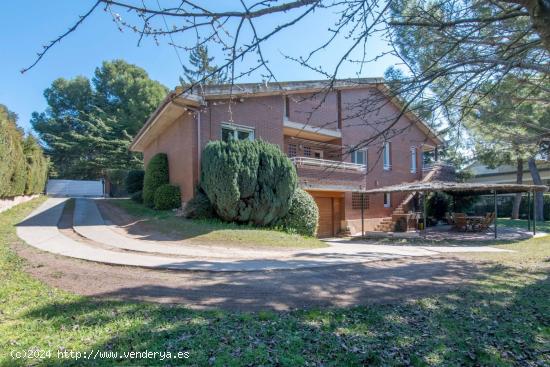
x: 198, y: 139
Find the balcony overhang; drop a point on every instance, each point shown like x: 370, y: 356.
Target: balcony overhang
x: 305, y: 131
x: 316, y: 186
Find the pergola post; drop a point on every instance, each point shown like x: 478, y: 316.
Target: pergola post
x: 528, y: 210
x: 496, y: 210
x: 424, y: 211
x: 534, y: 214
x: 362, y: 214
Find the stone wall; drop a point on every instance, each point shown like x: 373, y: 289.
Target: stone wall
x: 7, y: 203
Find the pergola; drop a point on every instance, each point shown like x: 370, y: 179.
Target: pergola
x: 463, y: 188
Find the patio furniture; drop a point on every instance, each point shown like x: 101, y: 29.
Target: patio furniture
x: 461, y: 223
x: 485, y: 222
x: 449, y: 218
x: 474, y: 221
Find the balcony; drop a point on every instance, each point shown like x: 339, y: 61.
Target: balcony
x: 328, y: 165
x: 329, y: 175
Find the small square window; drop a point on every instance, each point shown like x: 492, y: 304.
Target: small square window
x: 292, y: 150
x: 356, y: 200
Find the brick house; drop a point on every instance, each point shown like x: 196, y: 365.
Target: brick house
x: 322, y: 131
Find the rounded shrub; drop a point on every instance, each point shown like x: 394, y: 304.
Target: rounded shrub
x: 134, y: 181
x: 137, y: 196
x: 303, y: 215
x: 248, y: 181
x: 167, y: 197
x: 199, y: 207
x: 156, y: 175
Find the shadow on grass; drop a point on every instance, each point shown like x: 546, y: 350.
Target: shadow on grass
x: 154, y: 225
x: 504, y: 319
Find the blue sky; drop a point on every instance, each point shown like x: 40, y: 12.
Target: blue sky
x: 27, y: 25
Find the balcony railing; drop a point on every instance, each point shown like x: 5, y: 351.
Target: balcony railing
x: 327, y: 164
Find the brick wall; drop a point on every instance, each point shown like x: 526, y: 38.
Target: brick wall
x: 178, y: 141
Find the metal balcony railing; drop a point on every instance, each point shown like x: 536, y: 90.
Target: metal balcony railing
x: 327, y: 164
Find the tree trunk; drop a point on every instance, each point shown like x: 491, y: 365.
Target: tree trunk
x: 519, y: 180
x: 537, y: 181
x: 539, y: 11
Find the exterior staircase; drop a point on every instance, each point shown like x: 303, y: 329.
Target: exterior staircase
x: 387, y: 224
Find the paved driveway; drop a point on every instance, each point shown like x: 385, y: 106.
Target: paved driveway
x: 103, y: 244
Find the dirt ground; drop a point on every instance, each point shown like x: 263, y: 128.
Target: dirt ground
x: 331, y: 286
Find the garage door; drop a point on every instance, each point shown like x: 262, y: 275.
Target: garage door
x: 325, y: 217
x: 74, y: 188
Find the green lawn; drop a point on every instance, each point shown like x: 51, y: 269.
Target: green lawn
x: 501, y: 320
x: 215, y: 231
x: 521, y: 223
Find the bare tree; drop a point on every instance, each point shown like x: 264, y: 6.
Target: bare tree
x: 448, y: 47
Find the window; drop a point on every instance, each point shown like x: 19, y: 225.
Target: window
x: 387, y: 200
x: 387, y: 156
x: 287, y: 107
x: 236, y: 132
x: 413, y: 160
x: 318, y: 154
x: 292, y: 150
x: 307, y: 151
x: 359, y: 157
x: 356, y: 200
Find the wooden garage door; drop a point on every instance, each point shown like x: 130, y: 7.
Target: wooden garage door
x: 325, y: 217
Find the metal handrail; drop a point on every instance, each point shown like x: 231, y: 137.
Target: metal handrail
x: 326, y: 163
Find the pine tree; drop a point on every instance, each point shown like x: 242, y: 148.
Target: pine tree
x: 202, y: 72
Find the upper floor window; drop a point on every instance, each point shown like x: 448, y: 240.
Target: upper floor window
x: 236, y: 132
x: 359, y: 157
x: 292, y: 150
x: 387, y: 156
x: 413, y: 160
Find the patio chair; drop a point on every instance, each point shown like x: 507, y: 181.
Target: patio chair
x: 449, y: 218
x: 461, y: 223
x: 486, y: 222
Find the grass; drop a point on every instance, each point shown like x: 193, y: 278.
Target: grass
x: 215, y: 231
x: 503, y: 319
x: 522, y: 223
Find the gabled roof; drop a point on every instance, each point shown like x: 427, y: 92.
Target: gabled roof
x: 199, y: 95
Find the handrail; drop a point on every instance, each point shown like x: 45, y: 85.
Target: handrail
x: 308, y: 161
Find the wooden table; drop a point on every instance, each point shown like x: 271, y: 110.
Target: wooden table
x: 474, y: 220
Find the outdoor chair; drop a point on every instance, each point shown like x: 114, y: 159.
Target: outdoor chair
x: 449, y: 218
x: 486, y: 222
x: 461, y: 222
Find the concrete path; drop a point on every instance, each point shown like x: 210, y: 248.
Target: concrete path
x: 40, y: 230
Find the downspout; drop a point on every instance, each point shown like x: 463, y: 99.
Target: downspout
x: 198, y: 140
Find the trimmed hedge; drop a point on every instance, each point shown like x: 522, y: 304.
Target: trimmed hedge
x: 303, y: 215
x: 248, y: 181
x: 37, y: 166
x: 134, y: 181
x: 167, y: 197
x: 156, y: 175
x: 199, y: 207
x: 23, y: 167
